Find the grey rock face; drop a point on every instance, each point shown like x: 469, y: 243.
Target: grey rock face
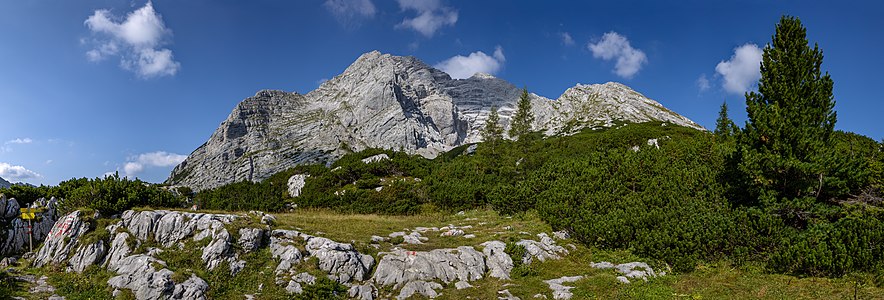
x: 137, y: 273
x: 340, y: 260
x: 193, y: 288
x: 390, y: 102
x: 499, y: 263
x: 447, y: 265
x: 170, y: 228
x: 250, y: 239
x: 542, y: 250
x: 119, y: 249
x: 559, y: 290
x: 413, y: 238
x: 424, y: 288
x: 61, y: 239
x: 4, y: 183
x: 87, y: 255
x: 633, y: 270
x: 363, y: 292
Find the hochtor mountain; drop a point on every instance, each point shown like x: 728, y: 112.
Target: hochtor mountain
x: 390, y: 102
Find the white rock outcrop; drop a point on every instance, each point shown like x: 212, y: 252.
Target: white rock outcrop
x: 138, y: 274
x: 427, y: 289
x: 447, y: 265
x: 633, y: 270
x: 499, y: 263
x: 559, y: 290
x: 61, y: 239
x: 341, y: 261
x: 296, y: 183
x: 541, y: 250
x: 87, y: 255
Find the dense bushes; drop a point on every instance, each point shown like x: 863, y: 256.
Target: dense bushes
x: 109, y: 195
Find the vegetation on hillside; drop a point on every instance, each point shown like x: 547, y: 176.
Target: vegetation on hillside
x: 786, y: 190
x: 109, y: 195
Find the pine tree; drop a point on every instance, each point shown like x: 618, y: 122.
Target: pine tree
x: 492, y: 133
x: 524, y: 117
x: 724, y: 126
x: 786, y: 139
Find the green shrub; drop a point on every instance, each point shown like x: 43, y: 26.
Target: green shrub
x: 323, y: 289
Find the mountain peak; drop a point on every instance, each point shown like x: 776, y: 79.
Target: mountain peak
x: 390, y: 102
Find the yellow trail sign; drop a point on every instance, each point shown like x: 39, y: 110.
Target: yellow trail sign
x: 30, y: 213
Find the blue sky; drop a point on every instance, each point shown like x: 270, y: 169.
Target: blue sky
x: 89, y: 87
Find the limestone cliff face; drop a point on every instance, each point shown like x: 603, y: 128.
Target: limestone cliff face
x: 391, y: 102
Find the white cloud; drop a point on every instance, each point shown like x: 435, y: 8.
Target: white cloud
x: 350, y: 12
x: 431, y: 15
x: 460, y: 67
x: 138, y: 163
x: 613, y: 45
x: 137, y: 39
x: 566, y: 39
x: 16, y: 173
x: 20, y: 141
x: 743, y: 69
x: 703, y: 83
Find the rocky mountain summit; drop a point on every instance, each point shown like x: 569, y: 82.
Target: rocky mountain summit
x: 4, y: 183
x: 391, y: 102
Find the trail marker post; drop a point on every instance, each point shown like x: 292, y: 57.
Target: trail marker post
x: 30, y: 214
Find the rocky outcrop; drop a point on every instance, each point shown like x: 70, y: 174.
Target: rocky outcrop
x: 499, y: 263
x: 296, y: 183
x: 541, y: 250
x: 633, y: 270
x: 62, y: 239
x: 143, y: 273
x: 559, y: 290
x: 87, y: 255
x: 4, y: 184
x: 13, y: 230
x: 447, y: 265
x: 363, y: 292
x: 390, y: 102
x: 341, y: 261
x: 419, y: 287
x: 138, y: 274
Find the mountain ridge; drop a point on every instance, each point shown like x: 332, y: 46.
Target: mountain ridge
x: 391, y: 102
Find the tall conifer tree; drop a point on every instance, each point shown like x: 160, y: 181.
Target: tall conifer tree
x: 791, y: 118
x: 523, y: 118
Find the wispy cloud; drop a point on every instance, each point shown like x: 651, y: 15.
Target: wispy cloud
x: 16, y: 173
x: 615, y: 46
x: 566, y: 39
x: 460, y: 67
x: 431, y: 16
x: 703, y: 83
x: 138, y: 163
x: 136, y: 39
x: 350, y: 13
x: 20, y: 141
x: 742, y: 71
